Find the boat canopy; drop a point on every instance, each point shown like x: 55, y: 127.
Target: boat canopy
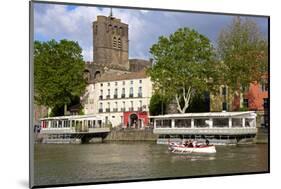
x: 73, y: 117
x: 245, y: 114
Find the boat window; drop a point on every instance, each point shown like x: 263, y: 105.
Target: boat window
x: 220, y: 122
x: 249, y: 122
x: 201, y: 122
x: 99, y: 123
x: 66, y: 123
x: 236, y: 122
x: 183, y: 123
x: 55, y: 123
x: 163, y: 123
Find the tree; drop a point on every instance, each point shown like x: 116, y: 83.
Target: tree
x: 157, y: 104
x: 243, y: 51
x: 200, y: 103
x: 184, y: 65
x: 58, y: 72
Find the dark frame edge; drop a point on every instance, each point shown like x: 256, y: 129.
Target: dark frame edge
x: 269, y: 87
x: 31, y: 136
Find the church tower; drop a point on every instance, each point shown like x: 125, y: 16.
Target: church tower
x: 110, y: 42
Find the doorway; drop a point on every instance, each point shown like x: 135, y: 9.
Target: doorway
x: 133, y: 121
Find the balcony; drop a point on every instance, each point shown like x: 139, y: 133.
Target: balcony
x: 123, y: 96
x: 131, y: 109
x: 123, y: 109
x: 107, y: 96
x: 131, y: 95
x: 115, y: 109
x: 139, y: 94
x: 140, y: 109
x: 107, y: 110
x: 100, y: 97
x: 115, y: 96
x: 100, y: 110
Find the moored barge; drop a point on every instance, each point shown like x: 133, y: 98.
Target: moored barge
x: 220, y: 128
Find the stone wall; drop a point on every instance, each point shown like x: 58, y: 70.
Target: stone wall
x: 110, y: 41
x: 137, y: 65
x: 131, y: 135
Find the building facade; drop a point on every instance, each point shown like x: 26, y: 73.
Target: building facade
x: 110, y: 42
x: 118, y: 88
x: 254, y: 98
x: 122, y: 100
x: 111, y: 50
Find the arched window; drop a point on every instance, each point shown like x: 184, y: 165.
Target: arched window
x: 97, y: 74
x: 121, y: 31
x: 114, y: 42
x: 115, y: 30
x: 119, y: 43
x: 87, y: 75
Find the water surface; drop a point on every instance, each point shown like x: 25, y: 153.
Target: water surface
x: 64, y: 164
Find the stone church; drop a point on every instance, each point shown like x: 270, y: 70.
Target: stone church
x: 111, y: 50
x: 118, y: 89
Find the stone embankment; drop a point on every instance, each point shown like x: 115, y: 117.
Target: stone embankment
x: 262, y: 135
x: 131, y: 135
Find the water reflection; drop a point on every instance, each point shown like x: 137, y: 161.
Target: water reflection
x: 192, y: 157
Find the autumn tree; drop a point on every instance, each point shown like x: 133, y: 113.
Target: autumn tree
x: 58, y: 73
x: 244, y: 53
x: 183, y: 66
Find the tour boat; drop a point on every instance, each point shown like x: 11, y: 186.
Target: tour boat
x: 221, y: 128
x: 181, y: 148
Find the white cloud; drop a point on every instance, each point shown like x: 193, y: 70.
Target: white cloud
x: 57, y: 22
x: 145, y: 26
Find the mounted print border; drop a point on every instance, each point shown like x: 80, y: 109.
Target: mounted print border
x: 128, y: 94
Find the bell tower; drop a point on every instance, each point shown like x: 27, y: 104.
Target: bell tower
x: 110, y: 42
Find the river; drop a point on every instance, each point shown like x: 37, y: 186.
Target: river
x: 66, y: 164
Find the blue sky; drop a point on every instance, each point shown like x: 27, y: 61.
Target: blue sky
x: 53, y: 21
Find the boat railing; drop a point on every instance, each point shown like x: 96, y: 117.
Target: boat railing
x: 205, y: 131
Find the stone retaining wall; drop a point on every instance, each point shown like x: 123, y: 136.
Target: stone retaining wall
x: 131, y: 135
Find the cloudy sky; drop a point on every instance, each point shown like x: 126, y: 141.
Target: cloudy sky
x: 58, y: 22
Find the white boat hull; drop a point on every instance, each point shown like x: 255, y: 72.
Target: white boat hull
x: 200, y: 149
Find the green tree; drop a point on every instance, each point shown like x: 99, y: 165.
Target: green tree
x: 157, y: 104
x: 243, y: 52
x: 200, y: 103
x: 58, y: 73
x: 184, y: 65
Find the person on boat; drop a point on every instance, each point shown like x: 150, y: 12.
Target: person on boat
x: 185, y: 143
x: 189, y: 144
x: 194, y: 143
x: 207, y: 142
